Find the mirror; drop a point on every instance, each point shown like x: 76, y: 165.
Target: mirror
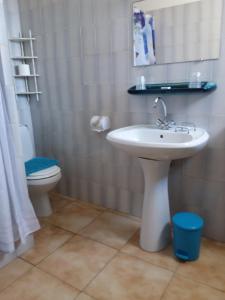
x: 169, y: 31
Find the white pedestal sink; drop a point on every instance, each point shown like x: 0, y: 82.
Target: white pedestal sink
x: 155, y: 149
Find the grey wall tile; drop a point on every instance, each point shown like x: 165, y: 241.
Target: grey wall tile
x: 203, y: 197
x: 120, y: 34
x: 120, y: 61
x: 101, y: 12
x: 124, y: 203
x: 86, y: 11
x: 178, y: 72
x: 104, y: 69
x: 194, y: 166
x: 119, y: 8
x: 90, y: 68
x: 217, y: 131
x: 89, y: 40
x: 73, y: 14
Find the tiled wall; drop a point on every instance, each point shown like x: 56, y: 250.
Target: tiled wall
x: 85, y: 51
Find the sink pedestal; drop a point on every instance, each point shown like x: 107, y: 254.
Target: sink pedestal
x: 156, y: 148
x: 155, y: 226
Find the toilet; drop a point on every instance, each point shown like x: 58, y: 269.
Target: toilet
x: 41, y: 182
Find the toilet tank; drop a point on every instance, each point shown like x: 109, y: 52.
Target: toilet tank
x: 27, y: 144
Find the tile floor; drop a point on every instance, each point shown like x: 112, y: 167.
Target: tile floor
x: 85, y: 252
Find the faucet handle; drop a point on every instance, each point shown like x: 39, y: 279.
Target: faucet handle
x: 182, y: 129
x: 189, y: 124
x: 159, y: 123
x: 171, y: 123
x: 164, y: 124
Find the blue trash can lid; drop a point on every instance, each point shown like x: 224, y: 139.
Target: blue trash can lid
x: 188, y: 221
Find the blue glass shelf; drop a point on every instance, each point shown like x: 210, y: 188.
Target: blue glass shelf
x: 170, y: 88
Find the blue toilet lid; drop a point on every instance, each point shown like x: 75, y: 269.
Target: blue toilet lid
x: 38, y: 164
x: 188, y: 221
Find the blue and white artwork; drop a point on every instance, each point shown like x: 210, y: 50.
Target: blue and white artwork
x: 144, y: 38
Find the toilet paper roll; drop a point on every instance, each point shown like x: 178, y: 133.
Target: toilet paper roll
x: 94, y: 121
x: 100, y: 123
x: 23, y: 70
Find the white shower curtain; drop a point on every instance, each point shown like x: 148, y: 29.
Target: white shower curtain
x: 17, y: 217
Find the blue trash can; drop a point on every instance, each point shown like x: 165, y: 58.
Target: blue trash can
x: 187, y: 231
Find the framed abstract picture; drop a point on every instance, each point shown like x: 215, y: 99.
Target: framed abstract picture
x: 171, y: 31
x: 143, y: 38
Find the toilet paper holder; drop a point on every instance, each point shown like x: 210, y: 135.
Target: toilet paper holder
x: 100, y: 123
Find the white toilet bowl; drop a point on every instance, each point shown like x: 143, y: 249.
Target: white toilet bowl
x: 41, y: 182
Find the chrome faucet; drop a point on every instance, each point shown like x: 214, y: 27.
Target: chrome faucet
x: 161, y: 100
x: 161, y: 123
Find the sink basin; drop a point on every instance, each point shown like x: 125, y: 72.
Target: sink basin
x: 149, y: 142
x: 155, y: 148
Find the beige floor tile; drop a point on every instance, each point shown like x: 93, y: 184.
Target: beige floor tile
x: 58, y: 201
x: 185, y: 289
x: 74, y: 217
x: 78, y: 261
x: 69, y: 200
x: 13, y: 271
x: 129, y: 278
x: 46, y: 240
x: 38, y: 285
x: 209, y: 268
x: 124, y: 214
x: 111, y: 229
x: 163, y: 258
x: 83, y: 296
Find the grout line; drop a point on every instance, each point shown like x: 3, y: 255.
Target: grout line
x: 62, y: 245
x: 193, y: 176
x: 79, y: 202
x: 149, y: 262
x: 131, y: 237
x: 56, y: 210
x: 200, y: 282
x: 60, y: 279
x: 101, y: 242
x: 118, y: 251
x: 32, y: 267
x: 79, y: 233
x: 26, y: 261
x: 84, y: 293
x: 95, y: 218
x: 38, y: 265
x: 35, y: 265
x: 152, y: 263
x: 49, y: 222
x: 96, y: 241
x: 166, y: 288
x: 92, y: 205
x: 45, y: 271
x: 98, y: 273
x: 60, y: 227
